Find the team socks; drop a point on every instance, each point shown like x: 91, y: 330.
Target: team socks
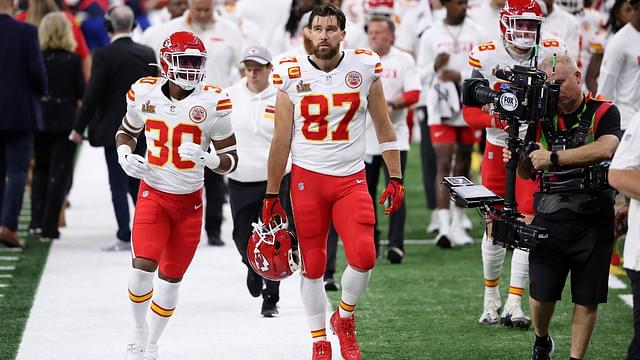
x: 353, y: 285
x: 315, y: 304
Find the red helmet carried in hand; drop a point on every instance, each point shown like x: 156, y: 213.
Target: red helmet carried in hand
x: 519, y: 21
x: 183, y: 59
x: 270, y: 251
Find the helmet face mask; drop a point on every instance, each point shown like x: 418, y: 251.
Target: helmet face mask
x: 270, y: 251
x: 572, y: 6
x: 183, y: 59
x: 519, y: 22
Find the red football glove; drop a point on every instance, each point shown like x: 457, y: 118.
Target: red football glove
x: 394, y: 193
x: 271, y: 208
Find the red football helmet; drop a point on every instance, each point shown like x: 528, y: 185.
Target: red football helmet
x: 379, y: 7
x: 183, y: 58
x: 270, y: 251
x: 519, y: 20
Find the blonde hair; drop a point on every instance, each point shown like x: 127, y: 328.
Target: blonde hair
x: 55, y: 32
x: 566, y: 60
x: 38, y: 9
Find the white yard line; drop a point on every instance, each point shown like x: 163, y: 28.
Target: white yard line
x: 628, y: 299
x: 7, y: 268
x: 9, y: 258
x: 616, y: 283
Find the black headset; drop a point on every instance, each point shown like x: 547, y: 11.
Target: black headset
x: 108, y: 25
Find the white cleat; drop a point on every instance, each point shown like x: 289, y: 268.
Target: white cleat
x: 136, y: 345
x: 513, y: 316
x: 459, y: 237
x: 434, y: 224
x: 490, y: 312
x: 152, y: 352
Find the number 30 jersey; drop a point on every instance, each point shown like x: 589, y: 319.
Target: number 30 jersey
x: 199, y: 118
x: 330, y: 110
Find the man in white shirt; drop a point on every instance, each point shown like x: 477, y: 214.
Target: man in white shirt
x: 255, y: 99
x: 559, y: 23
x: 624, y: 175
x: 487, y: 15
x: 620, y: 69
x: 223, y: 42
x: 402, y: 90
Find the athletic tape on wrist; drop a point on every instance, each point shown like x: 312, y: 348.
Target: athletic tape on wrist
x: 390, y: 145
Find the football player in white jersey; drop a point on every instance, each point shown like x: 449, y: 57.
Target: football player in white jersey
x: 486, y: 14
x: 321, y: 110
x: 519, y: 21
x: 563, y: 25
x: 442, y: 60
x: 181, y: 117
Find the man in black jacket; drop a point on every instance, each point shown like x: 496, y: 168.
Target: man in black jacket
x: 115, y: 68
x: 24, y: 82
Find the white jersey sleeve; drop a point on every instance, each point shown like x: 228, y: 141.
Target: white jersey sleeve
x: 136, y: 98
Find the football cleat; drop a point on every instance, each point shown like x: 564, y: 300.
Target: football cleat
x: 330, y: 284
x: 442, y: 241
x: 136, y: 345
x: 434, y: 225
x: 321, y: 350
x: 490, y: 312
x: 543, y: 352
x: 345, y: 329
x: 152, y: 352
x: 513, y: 316
x: 459, y: 237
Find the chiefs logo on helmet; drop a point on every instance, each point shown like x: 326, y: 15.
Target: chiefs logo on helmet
x: 271, y: 253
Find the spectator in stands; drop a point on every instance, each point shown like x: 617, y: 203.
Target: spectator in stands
x: 53, y: 150
x: 39, y: 8
x: 115, y: 68
x: 24, y: 82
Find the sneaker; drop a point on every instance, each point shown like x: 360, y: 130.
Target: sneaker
x: 490, y: 311
x: 321, y: 350
x: 434, y: 225
x: 269, y: 308
x: 215, y: 240
x: 442, y: 241
x: 254, y: 283
x: 395, y: 255
x: 513, y: 316
x: 330, y: 285
x: 346, y: 331
x: 152, y: 352
x: 119, y: 246
x: 136, y: 345
x: 459, y: 237
x: 543, y: 353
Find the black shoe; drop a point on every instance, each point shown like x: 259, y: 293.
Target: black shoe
x: 443, y: 242
x: 395, y: 255
x: 269, y: 307
x: 330, y: 285
x: 215, y: 240
x: 543, y: 352
x: 254, y: 283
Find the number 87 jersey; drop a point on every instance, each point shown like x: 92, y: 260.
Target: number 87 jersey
x: 329, y: 110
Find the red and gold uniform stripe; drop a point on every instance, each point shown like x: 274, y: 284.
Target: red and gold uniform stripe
x: 131, y: 95
x: 277, y: 80
x: 160, y: 311
x: 347, y: 307
x: 378, y: 68
x: 491, y: 283
x: 269, y: 112
x: 516, y: 291
x: 140, y: 298
x: 318, y: 333
x: 474, y: 62
x: 224, y: 104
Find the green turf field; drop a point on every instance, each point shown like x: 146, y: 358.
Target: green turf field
x: 425, y: 308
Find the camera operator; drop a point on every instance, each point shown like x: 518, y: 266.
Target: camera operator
x: 580, y: 222
x: 624, y: 175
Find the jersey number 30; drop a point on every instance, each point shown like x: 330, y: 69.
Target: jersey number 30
x: 315, y: 125
x: 161, y: 152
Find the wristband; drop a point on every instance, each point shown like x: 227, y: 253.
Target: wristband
x: 271, y: 195
x: 390, y: 145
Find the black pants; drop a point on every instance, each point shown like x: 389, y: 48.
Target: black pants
x: 215, y: 193
x: 53, y: 153
x: 122, y: 185
x: 246, y: 204
x: 429, y: 165
x: 16, y: 147
x: 634, y: 347
x: 397, y: 219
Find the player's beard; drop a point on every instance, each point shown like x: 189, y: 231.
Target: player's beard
x: 325, y: 53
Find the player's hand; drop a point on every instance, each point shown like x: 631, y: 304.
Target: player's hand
x: 540, y: 158
x: 620, y: 221
x: 450, y: 75
x: 133, y: 165
x: 193, y: 152
x: 271, y: 207
x: 506, y: 155
x: 394, y: 194
x: 441, y: 61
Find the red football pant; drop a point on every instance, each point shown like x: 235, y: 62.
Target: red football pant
x: 318, y: 200
x: 446, y: 134
x: 166, y: 229
x: 494, y: 176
